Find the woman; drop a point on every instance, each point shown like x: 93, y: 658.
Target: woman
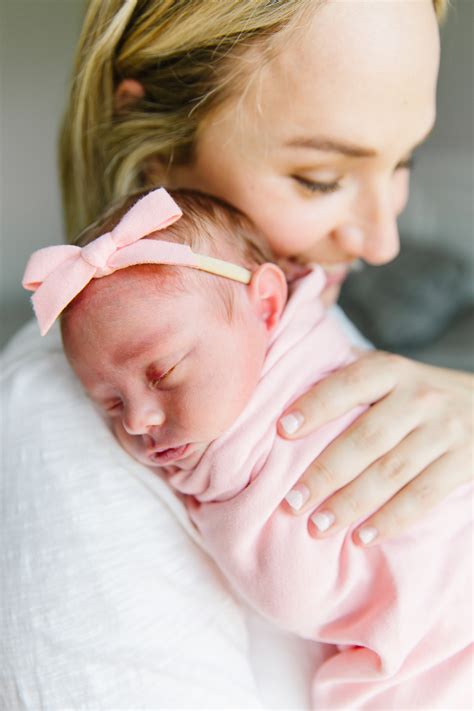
x: 304, y: 114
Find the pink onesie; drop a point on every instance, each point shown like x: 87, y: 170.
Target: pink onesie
x: 400, y: 613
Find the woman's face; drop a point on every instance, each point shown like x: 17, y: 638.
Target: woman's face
x: 316, y: 150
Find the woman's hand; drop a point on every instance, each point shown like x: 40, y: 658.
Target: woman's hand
x: 401, y: 457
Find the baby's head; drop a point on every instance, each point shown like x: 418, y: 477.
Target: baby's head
x: 171, y: 354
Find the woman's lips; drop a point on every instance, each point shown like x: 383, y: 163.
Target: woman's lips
x: 171, y: 454
x: 336, y: 274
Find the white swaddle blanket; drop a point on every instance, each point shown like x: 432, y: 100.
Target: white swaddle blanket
x: 107, y: 600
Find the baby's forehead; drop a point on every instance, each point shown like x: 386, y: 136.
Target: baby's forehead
x: 144, y: 280
x: 121, y: 315
x: 130, y: 292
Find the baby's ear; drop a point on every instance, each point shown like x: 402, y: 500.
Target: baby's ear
x: 267, y: 293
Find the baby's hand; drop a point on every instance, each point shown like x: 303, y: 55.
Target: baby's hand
x: 400, y: 458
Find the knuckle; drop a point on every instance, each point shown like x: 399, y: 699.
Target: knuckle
x: 423, y: 493
x: 348, y: 502
x: 365, y: 434
x: 388, y: 367
x: 355, y: 375
x: 392, y: 361
x: 454, y: 428
x: 324, y: 403
x: 392, y: 468
x: 428, y: 397
x: 323, y: 476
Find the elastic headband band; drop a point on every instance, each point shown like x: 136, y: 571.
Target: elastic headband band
x: 58, y: 274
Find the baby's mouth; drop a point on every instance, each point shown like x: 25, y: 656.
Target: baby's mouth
x: 170, y: 454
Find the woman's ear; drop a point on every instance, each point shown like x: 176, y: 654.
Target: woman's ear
x: 268, y: 293
x: 128, y: 92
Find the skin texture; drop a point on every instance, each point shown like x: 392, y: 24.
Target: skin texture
x: 353, y: 213
x: 159, y: 376
x: 364, y: 74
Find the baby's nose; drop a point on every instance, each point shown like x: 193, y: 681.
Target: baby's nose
x: 139, y: 420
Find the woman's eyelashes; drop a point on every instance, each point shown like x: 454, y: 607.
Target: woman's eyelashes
x: 314, y: 186
x: 327, y: 187
x: 406, y: 164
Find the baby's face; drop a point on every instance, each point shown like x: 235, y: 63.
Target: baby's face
x: 168, y: 370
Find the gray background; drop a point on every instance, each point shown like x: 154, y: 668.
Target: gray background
x: 36, y: 48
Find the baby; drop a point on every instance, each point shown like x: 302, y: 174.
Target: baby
x: 192, y: 359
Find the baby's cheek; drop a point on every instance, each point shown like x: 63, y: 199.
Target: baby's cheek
x: 201, y: 415
x: 124, y: 439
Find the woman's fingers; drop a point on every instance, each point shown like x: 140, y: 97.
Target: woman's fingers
x: 391, y: 473
x: 368, y: 438
x: 366, y: 380
x: 403, y: 455
x: 424, y: 492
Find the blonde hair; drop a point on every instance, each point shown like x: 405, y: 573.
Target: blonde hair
x: 185, y: 55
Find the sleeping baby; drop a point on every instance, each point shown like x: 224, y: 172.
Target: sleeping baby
x: 179, y: 325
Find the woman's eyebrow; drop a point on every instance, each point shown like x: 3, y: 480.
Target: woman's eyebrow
x: 331, y: 146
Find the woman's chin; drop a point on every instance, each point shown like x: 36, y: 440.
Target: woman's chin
x: 330, y: 295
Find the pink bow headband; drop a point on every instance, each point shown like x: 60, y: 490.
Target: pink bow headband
x: 58, y: 274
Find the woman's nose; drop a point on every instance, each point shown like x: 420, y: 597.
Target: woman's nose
x: 140, y: 417
x: 372, y: 232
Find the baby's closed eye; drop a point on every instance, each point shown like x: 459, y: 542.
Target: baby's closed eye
x: 155, y: 379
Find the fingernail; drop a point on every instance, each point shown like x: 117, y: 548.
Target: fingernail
x: 367, y: 534
x: 292, y: 422
x: 297, y: 496
x: 323, y: 520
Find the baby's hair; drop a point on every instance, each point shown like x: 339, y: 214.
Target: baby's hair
x: 209, y: 226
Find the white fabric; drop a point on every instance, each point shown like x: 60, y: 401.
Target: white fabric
x: 107, y: 600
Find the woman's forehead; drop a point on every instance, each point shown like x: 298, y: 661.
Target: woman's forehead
x: 365, y: 65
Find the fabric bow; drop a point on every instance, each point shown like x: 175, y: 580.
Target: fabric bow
x: 58, y: 274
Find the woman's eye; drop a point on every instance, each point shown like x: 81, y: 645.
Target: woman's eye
x: 317, y: 187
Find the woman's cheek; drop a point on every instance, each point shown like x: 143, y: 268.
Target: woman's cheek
x: 401, y: 191
x: 330, y: 295
x: 290, y: 232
